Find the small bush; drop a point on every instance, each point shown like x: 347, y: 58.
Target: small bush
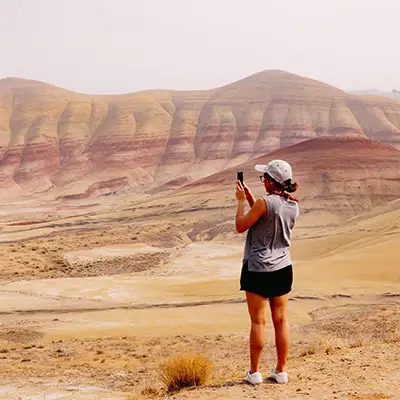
x: 150, y: 392
x: 312, y: 349
x: 392, y: 339
x: 356, y: 342
x: 186, y: 371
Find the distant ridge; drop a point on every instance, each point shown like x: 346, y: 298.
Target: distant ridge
x: 58, y: 142
x: 395, y: 95
x: 338, y: 176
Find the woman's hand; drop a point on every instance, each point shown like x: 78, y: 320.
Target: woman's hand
x: 249, y: 196
x: 246, y: 189
x: 240, y: 194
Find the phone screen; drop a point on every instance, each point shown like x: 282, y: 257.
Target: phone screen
x: 240, y: 176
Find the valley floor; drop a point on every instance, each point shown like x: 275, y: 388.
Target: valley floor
x: 91, y: 313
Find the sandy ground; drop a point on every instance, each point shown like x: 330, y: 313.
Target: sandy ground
x: 93, y: 300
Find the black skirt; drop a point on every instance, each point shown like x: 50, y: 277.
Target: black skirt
x: 267, y: 284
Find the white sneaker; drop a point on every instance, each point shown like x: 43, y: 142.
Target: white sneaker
x: 254, y: 378
x: 279, y: 377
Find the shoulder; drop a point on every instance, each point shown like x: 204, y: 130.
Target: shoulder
x: 260, y: 205
x: 277, y: 204
x: 271, y: 200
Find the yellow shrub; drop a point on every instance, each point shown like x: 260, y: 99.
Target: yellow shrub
x: 185, y: 371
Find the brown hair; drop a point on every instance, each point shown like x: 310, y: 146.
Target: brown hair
x: 289, y: 186
x: 284, y: 189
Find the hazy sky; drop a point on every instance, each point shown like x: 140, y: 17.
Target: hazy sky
x: 115, y: 46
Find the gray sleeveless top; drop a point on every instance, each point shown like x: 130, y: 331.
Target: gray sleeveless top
x: 268, y: 240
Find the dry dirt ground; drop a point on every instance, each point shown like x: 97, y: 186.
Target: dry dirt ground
x: 95, y: 297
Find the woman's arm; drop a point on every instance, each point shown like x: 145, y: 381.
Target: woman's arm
x: 244, y: 222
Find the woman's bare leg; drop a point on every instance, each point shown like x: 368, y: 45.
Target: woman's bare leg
x: 278, y: 306
x: 257, y: 307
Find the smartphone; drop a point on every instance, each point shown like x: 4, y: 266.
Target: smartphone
x: 240, y: 176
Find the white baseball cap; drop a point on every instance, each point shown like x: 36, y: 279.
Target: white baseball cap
x: 278, y: 170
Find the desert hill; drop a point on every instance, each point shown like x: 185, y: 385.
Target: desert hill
x: 63, y: 143
x: 339, y: 177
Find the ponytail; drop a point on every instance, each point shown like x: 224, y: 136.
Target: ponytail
x: 284, y: 189
x: 290, y: 186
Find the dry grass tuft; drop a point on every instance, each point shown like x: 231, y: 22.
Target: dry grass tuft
x: 186, y: 371
x: 150, y: 392
x: 310, y: 350
x: 392, y: 337
x: 325, y: 345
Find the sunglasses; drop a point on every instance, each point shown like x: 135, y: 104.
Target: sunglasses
x: 263, y: 178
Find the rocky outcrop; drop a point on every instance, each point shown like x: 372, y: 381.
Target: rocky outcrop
x: 52, y: 139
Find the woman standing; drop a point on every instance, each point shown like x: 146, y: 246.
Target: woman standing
x: 267, y: 266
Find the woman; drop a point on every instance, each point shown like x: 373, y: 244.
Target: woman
x: 267, y: 266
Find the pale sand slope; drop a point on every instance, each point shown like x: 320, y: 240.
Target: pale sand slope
x: 205, y: 273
